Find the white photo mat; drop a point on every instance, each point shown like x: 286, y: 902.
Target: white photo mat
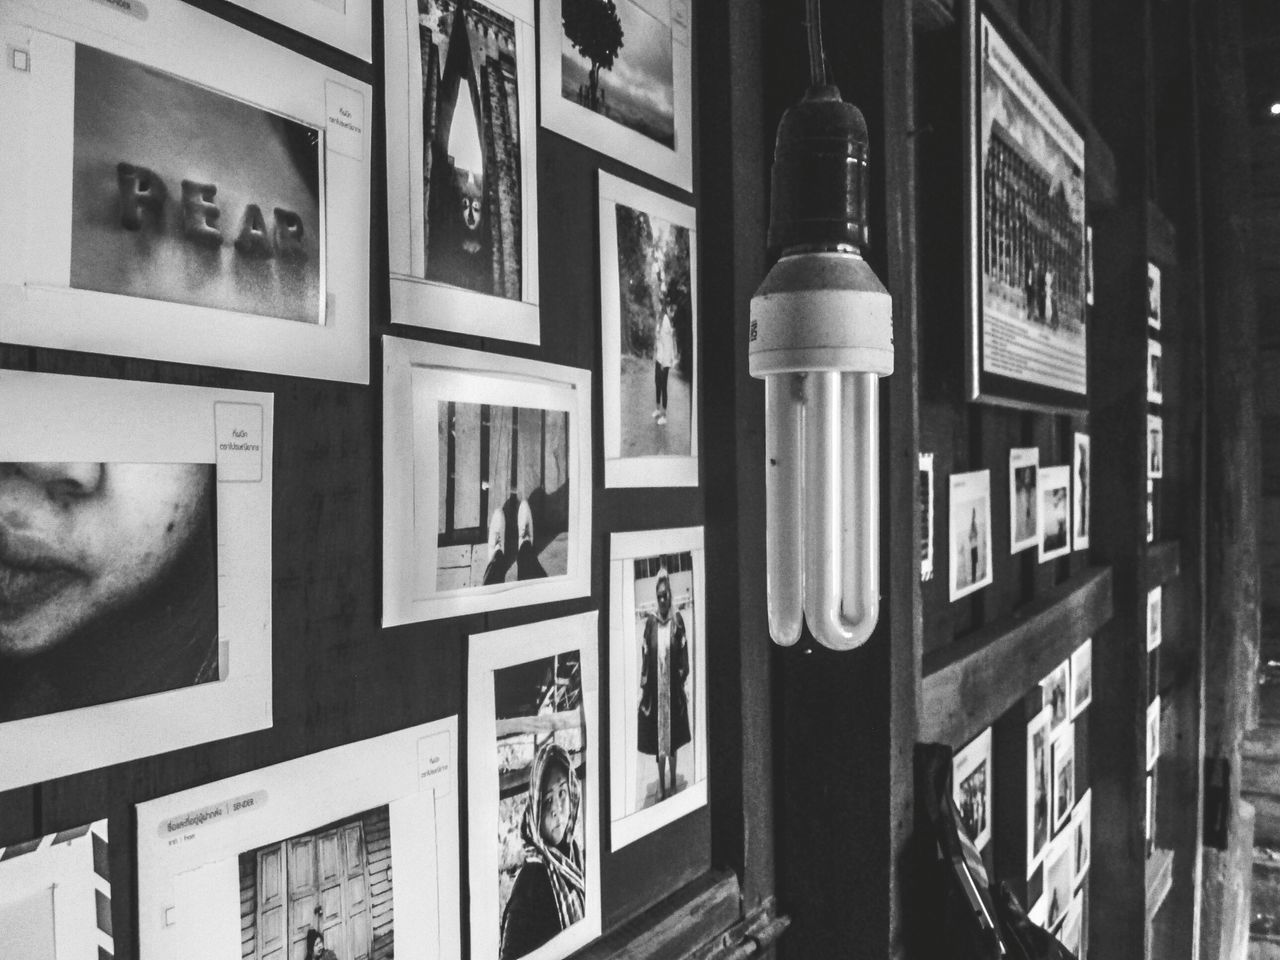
x: 1082, y: 483
x: 1057, y: 879
x: 656, y: 470
x: 969, y: 510
x: 38, y: 305
x: 190, y: 843
x: 1039, y: 770
x: 414, y: 299
x: 579, y: 123
x: 1052, y: 483
x: 417, y: 377
x: 1064, y: 762
x: 488, y: 653
x: 343, y: 24
x: 51, y: 894
x: 1155, y: 447
x: 1153, y: 732
x: 1081, y: 677
x: 1082, y: 836
x: 926, y: 516
x: 1153, y: 296
x: 968, y: 760
x: 1024, y: 459
x: 1155, y: 371
x: 1055, y: 692
x: 62, y: 418
x: 1155, y: 617
x: 627, y: 824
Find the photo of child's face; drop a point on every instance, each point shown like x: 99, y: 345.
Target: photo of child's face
x: 555, y: 805
x: 79, y: 540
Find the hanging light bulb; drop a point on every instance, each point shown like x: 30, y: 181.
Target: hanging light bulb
x: 821, y: 335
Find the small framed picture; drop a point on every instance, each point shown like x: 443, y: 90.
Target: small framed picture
x: 1081, y: 677
x: 1024, y: 513
x: 1151, y: 814
x: 617, y: 78
x: 135, y: 570
x: 343, y: 24
x: 351, y: 852
x: 1055, y: 512
x: 1088, y: 265
x: 1155, y: 358
x: 1151, y: 511
x: 55, y: 896
x: 486, y: 470
x: 1081, y: 835
x: 657, y: 680
x: 971, y: 787
x: 1155, y: 617
x: 1153, y: 732
x: 1080, y: 497
x: 970, y: 532
x: 1155, y: 447
x: 1055, y: 693
x: 1064, y: 775
x: 649, y: 340
x: 208, y: 210
x: 926, y: 516
x: 533, y: 777
x: 1153, y: 296
x: 1057, y: 880
x: 1070, y: 934
x: 462, y: 166
x: 1038, y: 789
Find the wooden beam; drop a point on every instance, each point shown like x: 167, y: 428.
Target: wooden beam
x: 969, y: 684
x: 1164, y: 562
x: 675, y: 927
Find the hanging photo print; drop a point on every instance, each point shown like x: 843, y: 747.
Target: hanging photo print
x: 971, y: 787
x: 534, y: 789
x: 1055, y: 512
x: 1080, y: 476
x: 1153, y: 732
x: 1155, y: 617
x: 462, y: 166
x: 1024, y: 513
x: 1064, y: 775
x: 1155, y: 381
x: 649, y: 337
x: 1153, y: 296
x: 926, y: 516
x: 1038, y: 830
x: 1081, y: 678
x: 969, y: 543
x: 1155, y: 447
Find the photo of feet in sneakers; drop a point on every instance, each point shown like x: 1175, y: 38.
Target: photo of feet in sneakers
x: 504, y: 495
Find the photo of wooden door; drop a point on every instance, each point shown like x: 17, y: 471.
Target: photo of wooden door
x: 318, y: 881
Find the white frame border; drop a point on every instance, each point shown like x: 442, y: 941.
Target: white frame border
x: 928, y: 559
x: 1153, y: 277
x: 1153, y: 732
x: 1155, y: 617
x: 1155, y: 424
x: 406, y: 598
x: 965, y: 760
x: 1062, y: 743
x: 959, y: 482
x: 1019, y: 458
x: 348, y: 31
x: 1082, y: 813
x: 1079, y: 655
x: 1035, y: 857
x: 1155, y: 351
x: 1047, y: 478
x: 1079, y: 498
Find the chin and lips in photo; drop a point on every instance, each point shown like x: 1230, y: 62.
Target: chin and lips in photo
x: 107, y: 582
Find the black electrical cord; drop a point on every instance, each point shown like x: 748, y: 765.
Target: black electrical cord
x: 817, y: 56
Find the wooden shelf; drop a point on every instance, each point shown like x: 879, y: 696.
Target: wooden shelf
x: 1164, y: 562
x: 969, y: 683
x: 1159, y: 880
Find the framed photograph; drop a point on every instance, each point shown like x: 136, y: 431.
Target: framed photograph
x: 1153, y: 732
x: 1024, y: 230
x: 1088, y: 265
x: 1064, y: 775
x: 1155, y: 390
x: 55, y: 896
x: 486, y: 472
x: 1080, y: 498
x: 1057, y: 880
x: 649, y: 338
x: 1081, y: 677
x: 344, y: 24
x: 926, y: 516
x: 175, y: 209
x: 1055, y: 693
x: 1081, y: 836
x: 970, y: 532
x: 1024, y: 514
x: 971, y: 787
x: 135, y: 559
x: 657, y: 680
x: 1070, y: 934
x: 1151, y: 814
x: 1151, y: 511
x: 351, y: 852
x: 1037, y: 789
x: 1155, y: 447
x: 533, y: 762
x: 1055, y: 512
x: 617, y: 78
x: 1155, y: 617
x: 1153, y: 296
x: 462, y: 166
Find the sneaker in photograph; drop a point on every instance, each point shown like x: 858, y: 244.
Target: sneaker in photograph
x: 497, y: 532
x: 524, y: 525
x: 657, y: 412
x: 662, y: 419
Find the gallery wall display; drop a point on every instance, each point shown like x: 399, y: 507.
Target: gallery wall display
x: 462, y: 166
x: 356, y: 847
x: 619, y: 80
x: 1055, y: 512
x: 971, y: 787
x: 1037, y: 805
x: 177, y: 207
x: 649, y: 337
x: 1024, y: 510
x: 135, y: 549
x: 533, y: 797
x: 55, y: 896
x: 486, y: 468
x: 926, y: 516
x: 344, y: 24
x: 1080, y: 478
x: 1024, y: 230
x: 969, y: 540
x: 657, y: 680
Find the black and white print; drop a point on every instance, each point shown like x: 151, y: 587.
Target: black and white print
x: 1082, y: 836
x: 1081, y: 494
x: 1057, y: 880
x: 1055, y: 512
x: 1081, y: 677
x: 1055, y: 692
x: 969, y: 542
x: 1024, y: 511
x: 926, y: 516
x: 1155, y: 617
x: 1155, y: 447
x: 1038, y: 789
x: 1063, y: 745
x: 1153, y: 296
x: 1155, y: 373
x: 971, y: 787
x: 1153, y: 732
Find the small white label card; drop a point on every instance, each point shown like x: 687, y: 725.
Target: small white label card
x: 435, y: 760
x: 239, y: 450
x: 344, y: 110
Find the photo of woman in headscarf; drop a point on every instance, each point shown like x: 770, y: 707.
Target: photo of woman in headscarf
x: 549, y: 894
x: 664, y: 706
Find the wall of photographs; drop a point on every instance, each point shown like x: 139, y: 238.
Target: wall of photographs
x: 397, y: 402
